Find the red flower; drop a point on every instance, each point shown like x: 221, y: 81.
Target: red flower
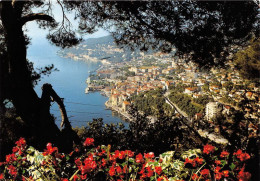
x: 224, y: 154
x: 21, y: 142
x: 208, y: 149
x: 239, y: 152
x: 1, y: 176
x: 150, y: 172
x: 112, y: 171
x: 10, y: 158
x: 88, y: 142
x: 15, y: 149
x: 194, y: 176
x: 192, y: 162
x: 217, y: 169
x: 149, y: 155
x: 218, y: 176
x: 204, y: 172
x: 225, y: 173
x: 50, y: 149
x: 162, y: 178
x: 75, y: 178
x: 104, y: 162
x: 158, y: 170
x: 119, y: 170
x: 243, y: 176
x: 12, y: 170
x: 218, y: 162
x: 199, y: 160
x: 64, y: 179
x: 78, y: 162
x: 244, y: 157
x: 121, y: 155
x: 129, y: 153
x: 139, y: 158
x: 83, y: 177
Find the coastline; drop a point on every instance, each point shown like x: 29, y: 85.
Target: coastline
x: 125, y: 115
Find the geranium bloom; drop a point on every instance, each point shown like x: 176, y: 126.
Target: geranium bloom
x: 162, y: 178
x: 121, y: 155
x: 243, y: 176
x: 158, y: 170
x: 204, y: 172
x: 194, y: 176
x: 217, y: 169
x: 104, y: 162
x: 218, y: 176
x: 10, y: 158
x: 191, y: 162
x: 199, y: 160
x: 224, y: 154
x: 149, y: 155
x: 78, y: 162
x: 12, y: 170
x: 119, y: 170
x: 50, y: 149
x: 208, y: 149
x: 225, y: 173
x: 15, y: 149
x: 244, y: 157
x: 139, y: 158
x: 83, y: 177
x: 112, y: 171
x: 129, y: 153
x: 64, y: 179
x: 88, y: 142
x: 150, y: 172
x: 75, y: 178
x: 21, y: 142
x: 218, y: 162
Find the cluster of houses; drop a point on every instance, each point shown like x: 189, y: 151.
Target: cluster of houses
x: 197, y: 84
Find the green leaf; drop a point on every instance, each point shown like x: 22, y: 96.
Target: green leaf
x: 232, y: 166
x: 223, y: 162
x: 131, y: 160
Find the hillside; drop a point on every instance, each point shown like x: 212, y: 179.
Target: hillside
x: 97, y: 49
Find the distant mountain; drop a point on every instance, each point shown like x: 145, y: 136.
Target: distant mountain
x: 95, y: 49
x: 102, y: 40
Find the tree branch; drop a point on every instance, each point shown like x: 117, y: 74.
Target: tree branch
x: 49, y: 92
x: 36, y: 16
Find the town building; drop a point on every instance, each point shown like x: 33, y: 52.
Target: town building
x: 212, y: 109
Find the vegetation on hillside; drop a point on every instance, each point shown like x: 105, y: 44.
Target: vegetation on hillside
x: 247, y: 61
x: 152, y: 103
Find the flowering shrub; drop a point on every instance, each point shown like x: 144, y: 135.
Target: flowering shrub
x: 27, y: 163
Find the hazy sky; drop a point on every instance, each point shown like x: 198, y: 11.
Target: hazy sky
x: 38, y: 34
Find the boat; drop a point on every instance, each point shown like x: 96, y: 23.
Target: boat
x: 86, y: 90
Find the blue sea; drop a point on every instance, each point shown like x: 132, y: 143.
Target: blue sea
x: 69, y: 83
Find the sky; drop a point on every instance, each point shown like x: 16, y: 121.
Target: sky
x: 37, y: 34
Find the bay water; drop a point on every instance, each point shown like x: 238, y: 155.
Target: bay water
x: 69, y: 83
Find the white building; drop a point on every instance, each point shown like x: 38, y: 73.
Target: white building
x: 212, y: 108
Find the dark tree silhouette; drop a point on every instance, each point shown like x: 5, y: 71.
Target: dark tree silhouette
x: 204, y: 32
x: 17, y: 75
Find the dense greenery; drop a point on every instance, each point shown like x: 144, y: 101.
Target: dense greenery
x: 184, y: 102
x: 152, y: 103
x: 203, y: 100
x: 247, y: 61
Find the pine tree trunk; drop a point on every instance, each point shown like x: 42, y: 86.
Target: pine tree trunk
x: 33, y: 110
